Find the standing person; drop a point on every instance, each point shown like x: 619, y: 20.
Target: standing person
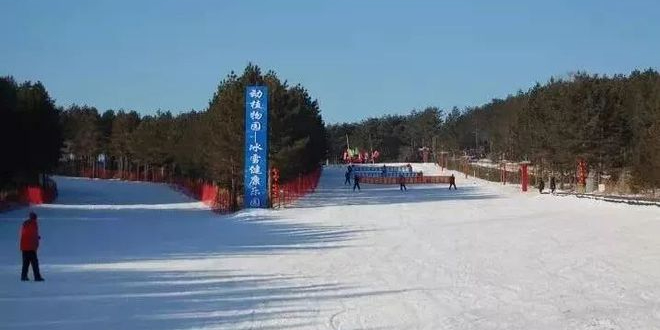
x: 402, y: 182
x: 347, y: 175
x: 356, y: 182
x: 553, y: 184
x: 541, y: 186
x: 452, y: 182
x: 29, y: 245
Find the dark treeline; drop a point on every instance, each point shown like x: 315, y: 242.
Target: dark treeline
x: 30, y: 134
x: 611, y: 122
x: 206, y: 145
x: 396, y: 137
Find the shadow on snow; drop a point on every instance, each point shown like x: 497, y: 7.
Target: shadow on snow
x: 127, y: 267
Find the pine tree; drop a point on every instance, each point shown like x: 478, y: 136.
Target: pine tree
x: 123, y: 126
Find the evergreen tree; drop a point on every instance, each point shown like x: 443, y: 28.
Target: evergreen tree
x: 29, y: 131
x: 83, y: 134
x: 123, y: 126
x: 39, y: 128
x: 11, y: 140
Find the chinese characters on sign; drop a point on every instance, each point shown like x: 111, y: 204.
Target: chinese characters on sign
x: 256, y: 147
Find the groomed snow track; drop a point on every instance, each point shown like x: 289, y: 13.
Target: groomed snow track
x: 122, y: 255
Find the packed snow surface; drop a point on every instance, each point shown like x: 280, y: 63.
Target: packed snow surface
x: 119, y: 255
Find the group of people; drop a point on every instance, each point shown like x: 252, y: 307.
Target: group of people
x: 553, y: 185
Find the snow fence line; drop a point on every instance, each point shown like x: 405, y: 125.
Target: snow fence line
x: 614, y: 199
x: 286, y: 193
x: 605, y: 198
x: 30, y: 195
x: 217, y: 198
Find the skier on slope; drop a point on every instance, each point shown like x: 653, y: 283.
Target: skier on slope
x: 452, y: 182
x: 29, y: 244
x: 553, y: 184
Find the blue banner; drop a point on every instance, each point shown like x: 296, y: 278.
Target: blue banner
x: 256, y: 147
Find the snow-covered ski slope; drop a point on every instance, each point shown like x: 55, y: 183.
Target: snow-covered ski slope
x: 120, y: 255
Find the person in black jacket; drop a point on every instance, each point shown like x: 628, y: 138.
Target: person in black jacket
x: 553, y: 184
x: 356, y: 182
x: 402, y: 182
x: 347, y: 175
x: 452, y: 182
x: 541, y: 186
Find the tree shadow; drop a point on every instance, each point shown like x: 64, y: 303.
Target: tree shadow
x: 69, y: 235
x: 158, y: 269
x: 139, y: 299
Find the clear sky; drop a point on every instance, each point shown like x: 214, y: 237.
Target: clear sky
x: 358, y: 58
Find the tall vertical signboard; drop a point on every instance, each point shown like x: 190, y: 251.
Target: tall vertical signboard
x: 256, y: 147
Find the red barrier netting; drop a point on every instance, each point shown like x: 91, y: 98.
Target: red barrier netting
x: 209, y: 193
x: 288, y: 192
x: 27, y: 195
x: 218, y: 198
x: 37, y: 194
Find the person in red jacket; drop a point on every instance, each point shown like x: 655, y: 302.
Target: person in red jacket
x: 29, y: 245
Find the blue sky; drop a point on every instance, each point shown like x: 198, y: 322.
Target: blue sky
x: 358, y: 58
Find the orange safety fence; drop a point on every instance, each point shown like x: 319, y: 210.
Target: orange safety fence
x: 288, y: 192
x: 217, y: 197
x: 207, y: 192
x: 32, y: 194
x: 38, y: 194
